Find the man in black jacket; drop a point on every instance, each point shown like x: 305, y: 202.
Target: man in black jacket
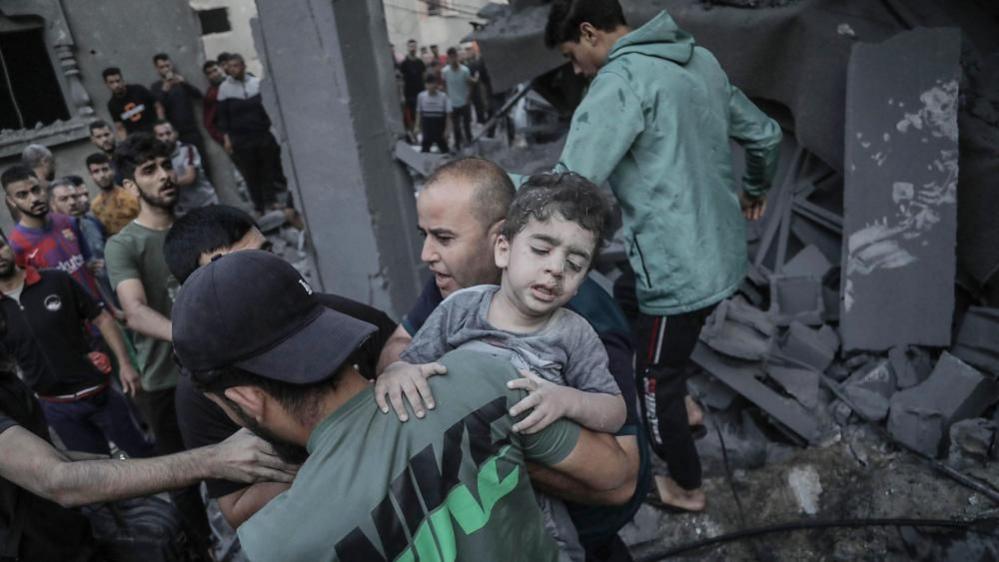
x: 246, y: 130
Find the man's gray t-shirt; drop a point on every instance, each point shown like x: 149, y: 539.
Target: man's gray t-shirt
x: 200, y: 193
x: 567, y: 351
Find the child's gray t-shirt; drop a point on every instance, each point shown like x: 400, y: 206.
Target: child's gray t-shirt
x: 566, y: 351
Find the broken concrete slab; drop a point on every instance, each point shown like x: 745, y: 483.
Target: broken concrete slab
x: 900, y: 217
x: 876, y: 377
x: 808, y: 346
x: 869, y: 405
x: 741, y: 377
x: 810, y: 232
x: 921, y: 416
x: 810, y: 262
x: 977, y: 340
x: 712, y: 393
x: 912, y: 365
x: 972, y: 443
x: 423, y: 163
x: 796, y: 298
x: 738, y: 329
x: 802, y: 384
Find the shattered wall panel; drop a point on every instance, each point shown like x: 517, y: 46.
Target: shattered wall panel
x: 900, y: 191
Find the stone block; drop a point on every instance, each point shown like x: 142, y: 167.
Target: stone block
x: 977, y: 340
x: 972, y: 442
x: 802, y: 384
x: 738, y: 329
x: 921, y: 416
x: 912, y: 365
x: 808, y: 346
x: 810, y: 262
x: 796, y: 298
x: 875, y: 377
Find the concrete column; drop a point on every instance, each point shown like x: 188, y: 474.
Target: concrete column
x: 331, y: 92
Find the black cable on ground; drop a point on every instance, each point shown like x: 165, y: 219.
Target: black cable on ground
x: 965, y: 525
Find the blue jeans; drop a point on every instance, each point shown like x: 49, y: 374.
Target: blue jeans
x: 88, y: 424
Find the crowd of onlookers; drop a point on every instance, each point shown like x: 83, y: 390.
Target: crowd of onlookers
x: 84, y: 282
x: 440, y: 91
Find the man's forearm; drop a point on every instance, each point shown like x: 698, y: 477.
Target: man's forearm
x: 147, y: 321
x: 112, y: 336
x: 82, y: 482
x: 240, y: 505
x: 560, y: 484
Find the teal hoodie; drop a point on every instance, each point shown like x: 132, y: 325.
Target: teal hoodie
x: 656, y: 124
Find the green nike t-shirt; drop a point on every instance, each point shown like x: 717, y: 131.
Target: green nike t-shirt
x: 452, y: 486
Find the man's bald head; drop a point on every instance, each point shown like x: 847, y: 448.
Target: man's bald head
x: 493, y: 190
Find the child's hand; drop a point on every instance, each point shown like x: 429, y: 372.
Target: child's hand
x: 405, y: 378
x: 549, y: 401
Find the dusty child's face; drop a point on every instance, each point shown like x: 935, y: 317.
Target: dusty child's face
x: 545, y: 263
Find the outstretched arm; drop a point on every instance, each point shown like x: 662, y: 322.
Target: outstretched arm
x: 42, y: 469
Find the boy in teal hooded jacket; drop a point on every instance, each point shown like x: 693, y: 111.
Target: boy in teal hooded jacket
x: 656, y: 124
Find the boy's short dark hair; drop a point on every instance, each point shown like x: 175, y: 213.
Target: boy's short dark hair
x: 97, y: 158
x: 160, y: 56
x: 208, y: 64
x: 136, y: 150
x: 99, y: 124
x: 205, y: 229
x: 569, y: 194
x: 452, y: 51
x: 565, y: 17
x: 110, y: 71
x: 17, y: 172
x: 223, y: 57
x: 431, y: 79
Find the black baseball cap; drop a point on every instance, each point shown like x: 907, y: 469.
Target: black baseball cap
x: 253, y: 310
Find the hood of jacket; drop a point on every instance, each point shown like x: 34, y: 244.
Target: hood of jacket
x: 660, y: 37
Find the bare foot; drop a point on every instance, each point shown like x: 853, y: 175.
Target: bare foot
x: 695, y: 415
x: 673, y: 495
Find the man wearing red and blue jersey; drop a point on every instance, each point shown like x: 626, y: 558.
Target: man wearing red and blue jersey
x: 42, y: 239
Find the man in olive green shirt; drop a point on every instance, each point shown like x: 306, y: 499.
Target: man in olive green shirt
x: 146, y: 289
x: 451, y: 486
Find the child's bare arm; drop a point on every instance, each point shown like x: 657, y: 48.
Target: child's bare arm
x: 549, y: 402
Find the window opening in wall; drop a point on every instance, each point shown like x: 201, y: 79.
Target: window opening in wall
x: 434, y: 7
x: 215, y: 20
x: 29, y: 91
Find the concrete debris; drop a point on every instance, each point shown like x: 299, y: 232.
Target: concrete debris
x: 810, y: 262
x: 921, y: 416
x: 808, y: 346
x: 710, y: 392
x: 806, y: 486
x: 737, y: 329
x: 870, y: 405
x: 643, y: 528
x: 802, y: 384
x: 900, y: 219
x: 423, y: 163
x: 796, y: 298
x: 911, y: 365
x: 869, y: 389
x: 271, y: 221
x: 973, y: 443
x: 741, y: 377
x: 977, y: 341
x: 878, y: 378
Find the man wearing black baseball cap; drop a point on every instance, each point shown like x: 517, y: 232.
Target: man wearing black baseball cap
x: 454, y: 485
